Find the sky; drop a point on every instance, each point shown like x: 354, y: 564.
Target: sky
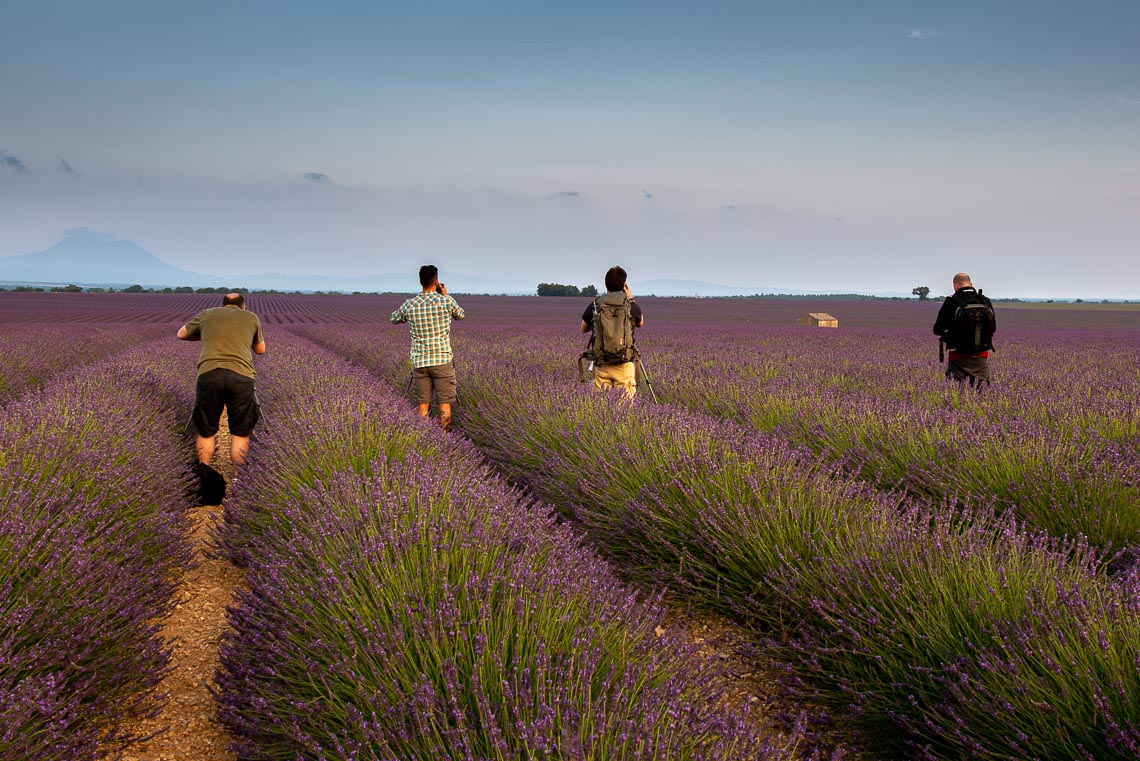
x: 826, y: 146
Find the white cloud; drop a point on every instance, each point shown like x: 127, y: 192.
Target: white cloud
x: 1128, y: 101
x: 923, y: 34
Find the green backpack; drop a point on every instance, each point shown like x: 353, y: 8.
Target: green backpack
x: 612, y: 343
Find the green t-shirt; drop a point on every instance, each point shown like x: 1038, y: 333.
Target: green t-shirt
x: 227, y: 334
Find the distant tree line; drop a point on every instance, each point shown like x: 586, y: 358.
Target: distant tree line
x: 73, y: 288
x: 557, y: 289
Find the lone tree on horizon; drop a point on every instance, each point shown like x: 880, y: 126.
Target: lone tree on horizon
x: 922, y: 291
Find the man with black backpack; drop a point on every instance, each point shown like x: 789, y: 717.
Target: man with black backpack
x: 966, y: 326
x: 612, y: 318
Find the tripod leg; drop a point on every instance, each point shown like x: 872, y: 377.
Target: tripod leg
x: 648, y: 380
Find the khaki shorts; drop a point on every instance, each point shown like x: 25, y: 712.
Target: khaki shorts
x: 623, y: 376
x: 441, y: 379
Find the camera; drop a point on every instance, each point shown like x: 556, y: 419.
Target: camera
x: 439, y: 289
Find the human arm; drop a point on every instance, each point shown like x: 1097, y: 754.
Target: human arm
x: 457, y: 312
x: 945, y: 317
x: 191, y: 331
x: 588, y: 318
x: 634, y: 308
x: 258, y: 344
x: 400, y: 315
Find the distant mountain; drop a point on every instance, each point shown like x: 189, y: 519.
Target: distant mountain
x: 89, y: 260
x: 86, y: 259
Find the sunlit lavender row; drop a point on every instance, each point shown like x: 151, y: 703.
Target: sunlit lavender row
x: 1055, y: 439
x: 974, y: 635
x: 924, y: 618
x: 31, y: 354
x: 405, y: 603
x: 93, y: 492
x: 826, y: 488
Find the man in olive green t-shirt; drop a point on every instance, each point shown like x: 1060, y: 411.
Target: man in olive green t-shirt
x: 230, y: 335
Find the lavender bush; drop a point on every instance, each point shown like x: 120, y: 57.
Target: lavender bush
x: 31, y: 354
x: 896, y: 614
x: 92, y: 498
x: 404, y: 603
x: 900, y: 611
x: 1054, y: 440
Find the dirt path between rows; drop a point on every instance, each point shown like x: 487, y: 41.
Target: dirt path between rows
x: 186, y: 729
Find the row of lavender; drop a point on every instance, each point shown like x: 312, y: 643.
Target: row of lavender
x: 405, y: 603
x: 93, y: 497
x: 31, y: 354
x: 976, y: 636
x: 1055, y: 440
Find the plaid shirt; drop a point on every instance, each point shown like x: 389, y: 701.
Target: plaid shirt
x: 429, y: 316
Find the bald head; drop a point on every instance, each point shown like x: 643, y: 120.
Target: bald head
x: 233, y: 299
x: 961, y: 280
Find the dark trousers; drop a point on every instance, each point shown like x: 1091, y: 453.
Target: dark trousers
x: 976, y: 370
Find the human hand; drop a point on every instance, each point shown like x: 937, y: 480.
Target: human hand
x: 627, y: 292
x: 441, y: 288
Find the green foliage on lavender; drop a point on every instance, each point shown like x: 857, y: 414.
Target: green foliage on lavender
x: 93, y: 484
x: 979, y: 637
x: 405, y: 603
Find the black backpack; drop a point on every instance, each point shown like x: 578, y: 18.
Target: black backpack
x: 973, y: 329
x: 612, y: 343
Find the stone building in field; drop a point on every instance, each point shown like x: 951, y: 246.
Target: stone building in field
x: 819, y: 320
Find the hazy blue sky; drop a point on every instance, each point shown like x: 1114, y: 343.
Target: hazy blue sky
x: 817, y: 145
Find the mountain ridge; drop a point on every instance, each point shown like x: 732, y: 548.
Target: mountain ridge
x: 87, y: 259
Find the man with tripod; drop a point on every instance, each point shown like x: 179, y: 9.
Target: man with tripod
x: 429, y: 317
x: 612, y: 318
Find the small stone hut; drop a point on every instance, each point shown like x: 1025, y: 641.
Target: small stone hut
x: 820, y: 320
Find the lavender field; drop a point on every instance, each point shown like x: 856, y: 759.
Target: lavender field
x: 942, y: 573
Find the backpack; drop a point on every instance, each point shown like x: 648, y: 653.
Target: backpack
x: 973, y: 329
x: 612, y: 343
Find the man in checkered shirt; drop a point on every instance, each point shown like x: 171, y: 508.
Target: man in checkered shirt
x: 429, y: 317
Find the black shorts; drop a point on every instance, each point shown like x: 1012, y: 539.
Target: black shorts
x: 234, y: 391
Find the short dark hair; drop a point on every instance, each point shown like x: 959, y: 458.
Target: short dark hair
x: 615, y: 279
x: 429, y: 273
x: 234, y: 299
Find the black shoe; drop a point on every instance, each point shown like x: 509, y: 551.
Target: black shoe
x: 211, y: 485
